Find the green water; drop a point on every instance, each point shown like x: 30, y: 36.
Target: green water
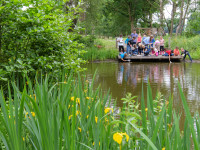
x: 122, y: 78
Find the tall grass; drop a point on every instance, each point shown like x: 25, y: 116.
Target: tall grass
x: 72, y: 115
x: 94, y: 53
x: 191, y: 44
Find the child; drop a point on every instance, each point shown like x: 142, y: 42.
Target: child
x: 185, y: 53
x: 162, y: 42
x: 157, y: 47
x: 120, y: 43
x: 176, y: 52
x: 146, y: 52
x: 139, y: 40
x: 122, y: 55
x: 128, y: 46
x: 168, y: 53
x: 135, y: 50
x: 140, y: 48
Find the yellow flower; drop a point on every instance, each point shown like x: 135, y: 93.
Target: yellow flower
x: 146, y: 109
x: 93, y: 143
x: 106, y: 120
x: 127, y: 137
x: 78, y: 100
x: 70, y: 117
x: 23, y: 138
x: 88, y: 107
x: 9, y: 116
x: 167, y: 102
x: 68, y: 106
x: 96, y: 119
x: 33, y: 114
x: 30, y: 95
x: 65, y: 82
x: 85, y: 91
x: 87, y: 116
x: 34, y: 96
x: 26, y: 114
x: 72, y: 98
x: 169, y: 125
x: 78, y: 112
x: 9, y: 59
x: 163, y: 148
x: 108, y: 110
x: 79, y: 129
x: 117, y: 137
x: 87, y: 98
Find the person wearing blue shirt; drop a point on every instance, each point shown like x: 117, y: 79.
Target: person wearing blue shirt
x: 134, y: 34
x: 122, y: 55
x: 128, y: 49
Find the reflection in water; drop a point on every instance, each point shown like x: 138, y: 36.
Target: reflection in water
x: 122, y: 78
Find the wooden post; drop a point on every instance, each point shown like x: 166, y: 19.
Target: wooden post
x: 116, y: 42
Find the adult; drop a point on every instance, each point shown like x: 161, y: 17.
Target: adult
x: 134, y: 34
x: 185, y: 52
x: 151, y: 41
x: 162, y: 44
x: 145, y: 40
x: 176, y: 52
x: 120, y: 43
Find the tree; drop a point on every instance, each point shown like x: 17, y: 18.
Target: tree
x: 37, y: 37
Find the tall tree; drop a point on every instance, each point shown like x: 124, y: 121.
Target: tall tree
x: 174, y: 6
x: 180, y: 17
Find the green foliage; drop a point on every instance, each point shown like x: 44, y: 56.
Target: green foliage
x: 189, y: 43
x: 34, y: 35
x: 70, y: 114
x: 95, y: 53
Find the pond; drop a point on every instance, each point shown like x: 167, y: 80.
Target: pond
x: 123, y: 78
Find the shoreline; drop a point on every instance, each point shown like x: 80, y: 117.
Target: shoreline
x: 115, y: 60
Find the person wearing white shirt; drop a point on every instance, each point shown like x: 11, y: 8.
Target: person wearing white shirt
x: 120, y: 43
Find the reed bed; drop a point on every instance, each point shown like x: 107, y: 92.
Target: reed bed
x: 70, y: 114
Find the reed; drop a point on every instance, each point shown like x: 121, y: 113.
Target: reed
x: 70, y: 114
x: 95, y: 53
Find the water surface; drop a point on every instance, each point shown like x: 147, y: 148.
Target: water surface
x: 123, y: 78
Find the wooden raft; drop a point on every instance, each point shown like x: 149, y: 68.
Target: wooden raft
x: 159, y: 58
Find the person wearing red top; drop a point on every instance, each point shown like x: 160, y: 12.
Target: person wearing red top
x: 176, y: 52
x: 168, y: 53
x: 139, y: 40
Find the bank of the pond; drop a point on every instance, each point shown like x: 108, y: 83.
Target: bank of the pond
x: 105, y: 49
x: 94, y: 53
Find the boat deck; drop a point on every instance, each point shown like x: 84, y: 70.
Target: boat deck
x: 159, y: 58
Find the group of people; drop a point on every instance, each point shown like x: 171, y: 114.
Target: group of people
x: 138, y: 45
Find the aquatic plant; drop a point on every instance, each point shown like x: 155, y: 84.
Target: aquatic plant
x: 70, y: 114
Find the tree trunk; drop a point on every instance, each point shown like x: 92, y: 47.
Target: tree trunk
x: 161, y: 14
x: 172, y: 17
x: 131, y: 18
x: 188, y: 4
x: 181, y: 18
x: 72, y: 3
x: 0, y: 34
